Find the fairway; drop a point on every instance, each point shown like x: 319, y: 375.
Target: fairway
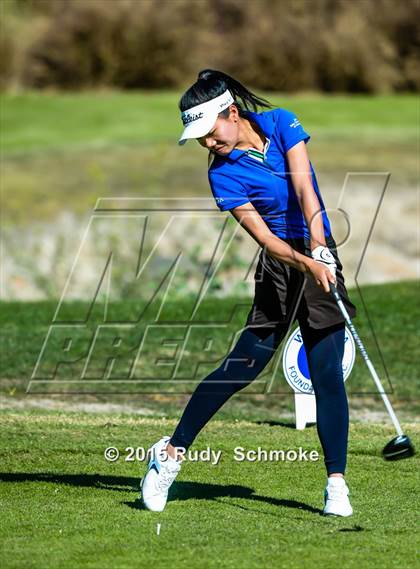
x: 70, y: 508
x: 77, y: 147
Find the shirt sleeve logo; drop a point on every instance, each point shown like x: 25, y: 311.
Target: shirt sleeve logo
x: 295, y: 123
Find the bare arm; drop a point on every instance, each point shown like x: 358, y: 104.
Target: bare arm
x: 254, y: 224
x: 300, y: 171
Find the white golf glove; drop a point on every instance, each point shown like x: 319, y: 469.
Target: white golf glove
x: 323, y: 255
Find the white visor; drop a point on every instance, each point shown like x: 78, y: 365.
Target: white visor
x: 199, y: 120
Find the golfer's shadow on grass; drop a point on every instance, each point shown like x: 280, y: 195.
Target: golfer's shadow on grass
x: 178, y: 492
x: 197, y: 490
x: 287, y: 425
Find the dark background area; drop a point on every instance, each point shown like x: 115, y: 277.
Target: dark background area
x: 369, y: 46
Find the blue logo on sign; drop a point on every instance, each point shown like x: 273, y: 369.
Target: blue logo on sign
x: 295, y: 361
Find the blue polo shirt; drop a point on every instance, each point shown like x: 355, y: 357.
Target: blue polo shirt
x: 240, y: 177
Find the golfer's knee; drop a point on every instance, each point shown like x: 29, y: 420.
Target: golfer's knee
x: 246, y: 365
x: 328, y: 378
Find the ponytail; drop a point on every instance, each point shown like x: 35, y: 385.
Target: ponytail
x: 210, y: 84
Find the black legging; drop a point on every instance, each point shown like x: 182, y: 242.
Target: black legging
x: 252, y: 352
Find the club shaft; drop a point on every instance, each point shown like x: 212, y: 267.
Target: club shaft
x: 367, y: 360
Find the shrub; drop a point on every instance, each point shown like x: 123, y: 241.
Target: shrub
x: 331, y: 45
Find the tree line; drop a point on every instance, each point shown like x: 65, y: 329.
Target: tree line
x: 369, y: 46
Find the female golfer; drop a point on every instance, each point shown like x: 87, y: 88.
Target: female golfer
x: 259, y: 171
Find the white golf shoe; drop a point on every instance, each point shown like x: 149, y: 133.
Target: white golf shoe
x: 336, y: 498
x: 161, y: 472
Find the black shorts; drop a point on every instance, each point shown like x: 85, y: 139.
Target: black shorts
x: 284, y: 294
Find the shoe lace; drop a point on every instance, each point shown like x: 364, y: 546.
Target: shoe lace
x: 337, y: 492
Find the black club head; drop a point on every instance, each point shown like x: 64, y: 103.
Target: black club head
x: 400, y: 447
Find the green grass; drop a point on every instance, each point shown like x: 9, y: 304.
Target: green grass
x: 64, y: 506
x: 392, y: 310
x: 66, y: 150
x: 35, y: 122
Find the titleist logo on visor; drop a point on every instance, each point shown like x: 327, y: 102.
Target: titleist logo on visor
x: 186, y: 119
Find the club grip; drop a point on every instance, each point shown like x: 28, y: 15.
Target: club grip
x: 334, y: 291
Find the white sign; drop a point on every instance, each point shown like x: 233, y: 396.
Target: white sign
x: 296, y: 372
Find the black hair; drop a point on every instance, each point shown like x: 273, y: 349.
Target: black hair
x: 211, y: 84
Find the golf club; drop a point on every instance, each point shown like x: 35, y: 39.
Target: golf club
x: 400, y: 446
